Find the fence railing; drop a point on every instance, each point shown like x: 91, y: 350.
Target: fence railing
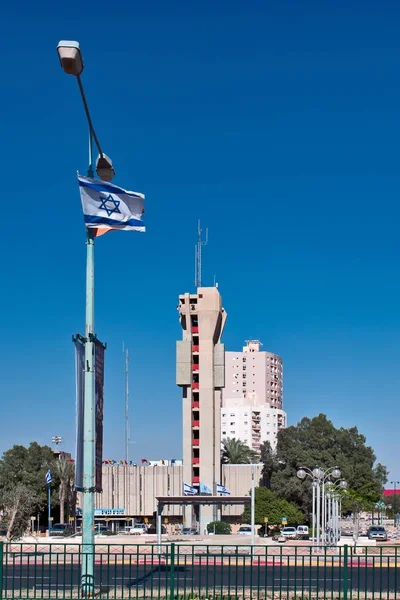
x: 202, y: 572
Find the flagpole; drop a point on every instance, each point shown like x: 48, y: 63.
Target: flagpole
x: 49, y: 507
x: 89, y: 416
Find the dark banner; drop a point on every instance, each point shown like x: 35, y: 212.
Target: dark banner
x: 80, y: 407
x: 99, y: 400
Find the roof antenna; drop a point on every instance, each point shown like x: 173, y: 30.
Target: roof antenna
x: 197, y: 254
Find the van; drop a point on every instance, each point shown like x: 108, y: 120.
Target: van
x: 302, y: 532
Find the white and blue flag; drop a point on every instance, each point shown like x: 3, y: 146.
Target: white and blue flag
x: 106, y: 206
x: 189, y: 490
x: 221, y: 489
x: 204, y: 489
x: 49, y: 478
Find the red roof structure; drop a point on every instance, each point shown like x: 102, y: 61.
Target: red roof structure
x: 391, y: 492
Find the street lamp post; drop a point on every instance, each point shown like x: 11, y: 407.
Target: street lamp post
x: 395, y: 484
x: 319, y: 478
x: 72, y: 63
x: 252, y: 508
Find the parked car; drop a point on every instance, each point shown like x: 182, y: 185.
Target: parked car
x: 189, y: 531
x: 138, y: 529
x: 302, y: 532
x: 61, y: 529
x: 377, y: 533
x: 244, y: 530
x: 152, y: 530
x: 289, y: 533
x: 101, y: 529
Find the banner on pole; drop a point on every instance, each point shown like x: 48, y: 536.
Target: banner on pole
x: 80, y: 406
x: 99, y: 403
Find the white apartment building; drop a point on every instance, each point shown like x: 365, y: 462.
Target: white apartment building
x: 252, y: 401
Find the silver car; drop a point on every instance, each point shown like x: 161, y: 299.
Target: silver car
x: 377, y: 533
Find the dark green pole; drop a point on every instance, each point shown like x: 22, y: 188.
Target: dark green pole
x: 172, y: 573
x: 1, y: 568
x: 345, y: 571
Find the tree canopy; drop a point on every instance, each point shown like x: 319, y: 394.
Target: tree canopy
x: 267, y: 504
x: 236, y: 452
x: 22, y: 484
x: 317, y: 443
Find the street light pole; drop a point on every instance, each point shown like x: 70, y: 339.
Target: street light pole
x: 395, y: 483
x: 313, y: 512
x: 252, y: 507
x: 72, y: 63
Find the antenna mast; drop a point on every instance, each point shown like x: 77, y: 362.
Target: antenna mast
x: 127, y: 405
x: 197, y: 254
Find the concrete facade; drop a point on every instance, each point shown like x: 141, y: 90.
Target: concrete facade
x: 201, y: 374
x: 131, y: 491
x: 252, y: 401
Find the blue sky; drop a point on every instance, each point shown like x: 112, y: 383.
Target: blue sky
x: 275, y: 123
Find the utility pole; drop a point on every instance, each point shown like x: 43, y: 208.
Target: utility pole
x: 127, y: 436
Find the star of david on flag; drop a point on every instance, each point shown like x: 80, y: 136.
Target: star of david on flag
x: 106, y: 206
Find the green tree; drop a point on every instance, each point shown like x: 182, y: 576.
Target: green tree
x: 64, y: 471
x: 22, y: 484
x: 270, y: 464
x: 316, y: 442
x: 219, y: 527
x: 357, y: 501
x: 235, y: 452
x: 267, y: 504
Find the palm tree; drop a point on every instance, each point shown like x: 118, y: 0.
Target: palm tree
x: 236, y: 452
x: 64, y: 471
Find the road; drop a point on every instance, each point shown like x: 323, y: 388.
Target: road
x: 143, y: 580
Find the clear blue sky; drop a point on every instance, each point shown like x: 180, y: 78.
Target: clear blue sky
x: 276, y: 123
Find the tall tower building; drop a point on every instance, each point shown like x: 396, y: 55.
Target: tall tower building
x: 252, y: 405
x: 200, y: 371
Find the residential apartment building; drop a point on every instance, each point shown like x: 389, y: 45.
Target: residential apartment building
x: 252, y: 402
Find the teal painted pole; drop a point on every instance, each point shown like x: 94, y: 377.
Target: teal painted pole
x: 89, y: 422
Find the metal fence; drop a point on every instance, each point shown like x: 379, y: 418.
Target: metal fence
x: 202, y: 572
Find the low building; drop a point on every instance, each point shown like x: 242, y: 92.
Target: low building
x: 129, y: 492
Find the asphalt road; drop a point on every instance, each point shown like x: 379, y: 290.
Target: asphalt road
x: 155, y: 580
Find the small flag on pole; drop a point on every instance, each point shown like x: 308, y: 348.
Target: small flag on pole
x: 189, y: 490
x: 204, y: 489
x: 221, y: 489
x: 49, y: 478
x: 106, y: 206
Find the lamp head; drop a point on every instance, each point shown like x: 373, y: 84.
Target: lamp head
x: 70, y: 57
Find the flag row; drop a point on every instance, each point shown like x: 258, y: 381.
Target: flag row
x: 190, y: 490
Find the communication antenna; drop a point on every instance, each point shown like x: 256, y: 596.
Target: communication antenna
x: 197, y: 254
x: 127, y: 440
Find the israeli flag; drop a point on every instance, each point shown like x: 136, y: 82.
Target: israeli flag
x: 106, y: 206
x: 221, y: 489
x: 49, y: 478
x: 204, y: 489
x: 189, y: 490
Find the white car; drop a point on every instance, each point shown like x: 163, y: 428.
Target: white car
x: 244, y: 530
x: 138, y: 529
x: 289, y: 533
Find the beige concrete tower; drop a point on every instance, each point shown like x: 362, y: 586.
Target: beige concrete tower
x: 200, y: 371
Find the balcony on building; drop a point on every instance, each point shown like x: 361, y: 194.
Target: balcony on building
x: 195, y: 385
x: 195, y: 404
x: 195, y: 348
x: 195, y: 460
x: 195, y: 329
x: 196, y: 479
x: 196, y: 442
x: 195, y: 367
x: 195, y: 423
